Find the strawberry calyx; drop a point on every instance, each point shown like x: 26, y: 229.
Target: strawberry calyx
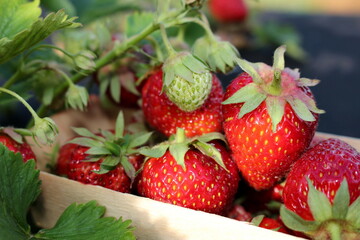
x: 112, y: 147
x: 219, y: 55
x: 277, y: 86
x: 178, y: 144
x: 335, y: 221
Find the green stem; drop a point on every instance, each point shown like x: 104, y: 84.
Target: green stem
x: 180, y: 135
x: 171, y: 51
x: 31, y: 110
x: 334, y: 230
x: 275, y: 86
x: 12, y: 80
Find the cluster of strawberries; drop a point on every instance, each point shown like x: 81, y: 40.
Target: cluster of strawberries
x: 259, y: 130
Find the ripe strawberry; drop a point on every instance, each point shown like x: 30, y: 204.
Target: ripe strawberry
x: 184, y: 174
x: 88, y: 172
x: 163, y: 115
x: 270, y: 117
x: 228, y: 10
x: 239, y: 213
x: 322, y: 191
x: 17, y: 144
x: 108, y: 159
x: 63, y: 159
x: 270, y: 223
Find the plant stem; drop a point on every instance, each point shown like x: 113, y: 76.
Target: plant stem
x: 334, y: 230
x: 27, y: 105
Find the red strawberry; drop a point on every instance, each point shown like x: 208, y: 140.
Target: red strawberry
x: 228, y: 10
x: 270, y: 118
x: 239, y: 213
x: 64, y: 157
x: 86, y: 172
x: 322, y: 191
x: 18, y: 146
x: 108, y: 159
x: 186, y: 176
x: 270, y: 223
x: 163, y: 115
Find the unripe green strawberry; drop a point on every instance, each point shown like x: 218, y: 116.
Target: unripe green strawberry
x: 187, y: 81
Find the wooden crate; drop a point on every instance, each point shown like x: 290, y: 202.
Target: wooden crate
x: 153, y: 220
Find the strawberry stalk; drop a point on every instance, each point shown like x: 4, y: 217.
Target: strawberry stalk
x: 45, y: 129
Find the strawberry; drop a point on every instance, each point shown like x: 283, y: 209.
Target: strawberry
x: 321, y: 194
x: 163, y: 115
x: 228, y: 10
x: 16, y: 143
x: 108, y: 159
x: 191, y: 173
x: 63, y: 159
x: 270, y: 223
x: 239, y: 213
x: 270, y: 117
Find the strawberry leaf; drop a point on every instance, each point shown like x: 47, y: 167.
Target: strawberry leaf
x: 244, y: 94
x: 16, y: 16
x: 252, y: 104
x: 128, y: 167
x: 155, y: 152
x: 353, y: 213
x: 211, y: 151
x: 84, y: 221
x: 139, y: 140
x: 178, y: 151
x: 211, y: 136
x: 300, y: 109
x: 119, y: 126
x: 251, y: 69
x: 275, y: 107
x: 115, y: 88
x: 86, y: 133
x: 86, y: 142
x: 19, y: 187
x: 295, y: 222
x: 32, y: 35
x: 319, y: 204
x: 341, y: 201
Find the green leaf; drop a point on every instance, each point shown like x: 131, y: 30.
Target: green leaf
x: 353, y: 215
x: 211, y: 136
x: 295, y: 222
x: 243, y: 94
x: 211, y: 151
x: 128, y: 167
x: 16, y: 16
x: 300, y: 109
x: 155, y: 152
x: 140, y: 140
x: 110, y: 161
x: 341, y: 201
x: 319, y: 204
x: 257, y: 220
x: 98, y: 151
x: 119, y: 125
x: 19, y: 187
x: 279, y: 61
x: 115, y: 88
x: 136, y: 22
x: 251, y: 104
x: 86, y: 142
x: 275, y: 107
x: 250, y: 68
x: 84, y: 221
x: 86, y: 133
x: 37, y: 32
x: 178, y: 151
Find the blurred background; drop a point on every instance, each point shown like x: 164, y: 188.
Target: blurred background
x: 322, y: 38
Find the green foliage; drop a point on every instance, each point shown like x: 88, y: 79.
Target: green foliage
x: 20, y: 187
